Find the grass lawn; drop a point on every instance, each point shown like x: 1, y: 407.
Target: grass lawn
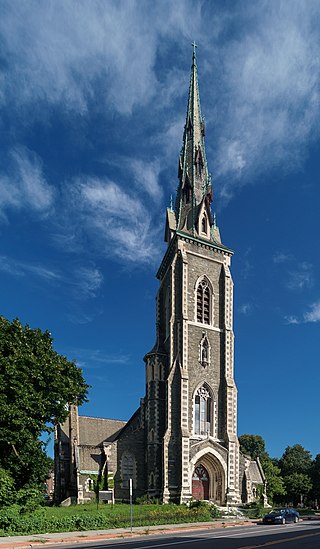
x: 89, y: 517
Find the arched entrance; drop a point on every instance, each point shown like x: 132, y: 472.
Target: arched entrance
x: 200, y: 483
x: 208, y: 477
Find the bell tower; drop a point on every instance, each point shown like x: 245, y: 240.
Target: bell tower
x: 191, y: 441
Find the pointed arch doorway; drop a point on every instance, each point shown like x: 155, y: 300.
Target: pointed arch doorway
x: 200, y: 483
x: 209, y: 479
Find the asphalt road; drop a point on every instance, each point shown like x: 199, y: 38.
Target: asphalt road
x: 305, y: 534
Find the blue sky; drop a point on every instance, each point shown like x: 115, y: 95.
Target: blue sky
x: 93, y: 98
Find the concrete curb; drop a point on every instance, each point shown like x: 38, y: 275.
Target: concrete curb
x: 46, y: 540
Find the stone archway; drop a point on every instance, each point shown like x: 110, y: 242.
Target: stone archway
x: 208, y: 478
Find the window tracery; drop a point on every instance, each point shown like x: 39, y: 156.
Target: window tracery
x: 203, y: 412
x: 204, y: 302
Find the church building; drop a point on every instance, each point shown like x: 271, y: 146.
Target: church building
x: 181, y: 443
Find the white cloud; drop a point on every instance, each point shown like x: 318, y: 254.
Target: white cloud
x: 25, y: 186
x: 146, y: 177
x: 280, y: 257
x: 269, y: 100
x: 20, y: 268
x: 121, y: 224
x: 314, y: 314
x: 86, y: 281
x: 246, y: 309
x: 62, y: 50
x: 95, y: 358
x: 301, y: 278
x: 291, y: 319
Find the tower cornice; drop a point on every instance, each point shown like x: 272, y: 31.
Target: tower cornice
x: 197, y: 241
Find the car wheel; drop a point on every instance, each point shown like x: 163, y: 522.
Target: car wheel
x: 296, y: 519
x: 283, y: 520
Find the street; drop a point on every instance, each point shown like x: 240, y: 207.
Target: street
x: 292, y: 536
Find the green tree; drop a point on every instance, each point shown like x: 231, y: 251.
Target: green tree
x: 36, y: 385
x: 275, y: 483
x: 296, y: 469
x: 315, y: 476
x: 6, y: 488
x: 295, y: 459
x: 255, y: 447
x: 298, y: 486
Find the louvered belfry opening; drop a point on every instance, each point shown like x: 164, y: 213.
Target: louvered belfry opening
x: 203, y: 303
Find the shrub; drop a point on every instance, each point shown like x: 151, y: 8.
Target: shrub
x: 7, y: 490
x: 29, y: 499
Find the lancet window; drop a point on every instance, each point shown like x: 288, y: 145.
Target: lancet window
x: 204, y: 297
x: 204, y: 351
x: 203, y: 413
x: 204, y: 224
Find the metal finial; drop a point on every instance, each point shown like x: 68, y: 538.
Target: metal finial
x: 171, y: 203
x: 214, y: 220
x: 194, y: 46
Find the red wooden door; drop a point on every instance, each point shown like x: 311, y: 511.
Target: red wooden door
x: 200, y: 483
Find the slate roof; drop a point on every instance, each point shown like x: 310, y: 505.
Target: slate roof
x: 95, y: 430
x: 253, y: 473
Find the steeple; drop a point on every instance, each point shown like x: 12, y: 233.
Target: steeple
x: 192, y: 214
x: 193, y: 163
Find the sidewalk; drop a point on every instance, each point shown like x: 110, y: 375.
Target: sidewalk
x: 45, y: 540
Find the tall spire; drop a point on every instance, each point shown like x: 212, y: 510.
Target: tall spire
x: 194, y: 179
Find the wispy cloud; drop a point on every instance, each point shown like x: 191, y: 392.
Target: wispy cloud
x: 86, y: 282
x: 122, y: 224
x: 264, y: 84
x: 311, y: 315
x: 301, y: 277
x: 25, y: 186
x: 62, y: 53
x: 271, y: 90
x: 280, y: 257
x: 246, y: 309
x: 291, y: 319
x: 21, y: 268
x: 95, y: 358
x: 146, y: 177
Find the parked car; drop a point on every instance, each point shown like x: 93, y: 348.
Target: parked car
x: 281, y: 515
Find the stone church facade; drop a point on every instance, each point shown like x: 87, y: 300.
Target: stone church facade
x: 182, y: 441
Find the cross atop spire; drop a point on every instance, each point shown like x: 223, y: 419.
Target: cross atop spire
x: 194, y: 45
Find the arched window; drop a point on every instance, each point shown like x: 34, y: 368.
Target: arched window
x: 204, y: 224
x: 204, y: 351
x: 203, y: 412
x: 203, y: 302
x: 127, y: 469
x: 89, y: 485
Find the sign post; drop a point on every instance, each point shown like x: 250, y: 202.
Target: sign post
x: 130, y: 493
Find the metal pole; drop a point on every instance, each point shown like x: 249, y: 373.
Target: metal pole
x: 130, y: 489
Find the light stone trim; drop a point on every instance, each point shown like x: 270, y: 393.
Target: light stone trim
x: 205, y: 326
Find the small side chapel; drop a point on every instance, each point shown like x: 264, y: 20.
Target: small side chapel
x: 181, y: 443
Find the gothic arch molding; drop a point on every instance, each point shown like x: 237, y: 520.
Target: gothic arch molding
x: 217, y: 469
